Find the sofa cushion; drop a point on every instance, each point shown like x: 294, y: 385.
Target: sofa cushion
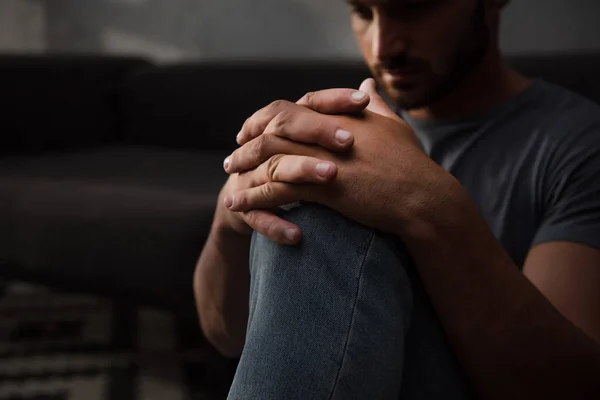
x: 125, y: 221
x: 60, y: 101
x: 204, y: 105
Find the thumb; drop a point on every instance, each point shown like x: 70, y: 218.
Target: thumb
x: 377, y: 104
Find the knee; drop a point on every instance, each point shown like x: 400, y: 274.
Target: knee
x: 326, y: 237
x: 337, y: 262
x: 333, y: 249
x: 318, y: 222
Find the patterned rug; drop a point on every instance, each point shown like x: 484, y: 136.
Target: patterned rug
x: 57, y: 346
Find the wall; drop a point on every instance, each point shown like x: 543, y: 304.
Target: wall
x: 543, y: 26
x: 178, y: 29
x: 22, y: 25
x: 172, y: 29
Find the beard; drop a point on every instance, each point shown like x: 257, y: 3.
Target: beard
x: 429, y: 86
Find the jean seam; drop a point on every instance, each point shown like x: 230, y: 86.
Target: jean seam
x: 358, y: 286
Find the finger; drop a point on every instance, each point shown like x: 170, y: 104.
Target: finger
x: 377, y: 104
x: 272, y: 227
x: 298, y: 169
x: 307, y: 126
x: 335, y: 101
x: 299, y: 124
x: 259, y: 150
x: 256, y: 124
x: 288, y: 169
x: 331, y: 101
x: 269, y: 195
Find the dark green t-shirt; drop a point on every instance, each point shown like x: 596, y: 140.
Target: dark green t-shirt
x: 531, y: 164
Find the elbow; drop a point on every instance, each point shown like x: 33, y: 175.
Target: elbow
x: 224, y: 345
x: 222, y: 341
x: 229, y: 342
x: 227, y: 336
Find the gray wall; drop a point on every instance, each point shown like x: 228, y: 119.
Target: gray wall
x: 208, y: 29
x: 172, y: 29
x: 22, y: 25
x: 544, y: 26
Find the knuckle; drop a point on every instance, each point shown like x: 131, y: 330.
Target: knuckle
x: 254, y: 220
x: 277, y: 106
x: 260, y: 223
x: 258, y: 148
x: 249, y: 218
x: 241, y: 200
x: 272, y: 167
x: 280, y: 120
x: 277, y: 124
x: 321, y: 128
x: 266, y: 190
x: 271, y: 228
x: 309, y: 99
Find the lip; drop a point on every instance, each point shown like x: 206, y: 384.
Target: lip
x: 401, y: 75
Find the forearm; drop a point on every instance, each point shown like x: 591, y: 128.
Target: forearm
x: 511, y: 341
x: 221, y: 287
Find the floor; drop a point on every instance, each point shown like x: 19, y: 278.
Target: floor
x: 56, y: 346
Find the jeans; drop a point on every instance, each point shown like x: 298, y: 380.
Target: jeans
x: 342, y: 315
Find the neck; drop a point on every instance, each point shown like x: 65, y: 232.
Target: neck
x: 491, y: 83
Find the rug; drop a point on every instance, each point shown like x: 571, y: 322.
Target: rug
x: 56, y: 346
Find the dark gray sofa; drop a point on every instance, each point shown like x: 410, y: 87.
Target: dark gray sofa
x: 110, y: 166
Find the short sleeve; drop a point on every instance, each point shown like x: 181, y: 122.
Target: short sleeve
x: 571, y: 198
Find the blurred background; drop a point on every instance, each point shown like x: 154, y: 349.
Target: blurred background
x: 111, y: 164
x: 171, y: 30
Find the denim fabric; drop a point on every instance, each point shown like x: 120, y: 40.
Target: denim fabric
x: 331, y: 318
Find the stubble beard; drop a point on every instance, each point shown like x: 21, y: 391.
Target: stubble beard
x: 466, y: 59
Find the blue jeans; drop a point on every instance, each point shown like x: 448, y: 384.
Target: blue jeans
x: 342, y: 315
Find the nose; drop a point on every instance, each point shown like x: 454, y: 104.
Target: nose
x: 388, y: 39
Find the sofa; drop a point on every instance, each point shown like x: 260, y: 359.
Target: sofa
x: 110, y: 166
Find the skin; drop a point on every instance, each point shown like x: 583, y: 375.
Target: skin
x: 221, y: 279
x: 529, y: 334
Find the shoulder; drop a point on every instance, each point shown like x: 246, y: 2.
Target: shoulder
x: 567, y: 167
x: 555, y: 128
x: 569, y: 118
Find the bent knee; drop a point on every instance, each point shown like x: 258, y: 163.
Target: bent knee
x: 317, y: 220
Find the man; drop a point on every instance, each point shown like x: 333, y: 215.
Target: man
x: 450, y: 252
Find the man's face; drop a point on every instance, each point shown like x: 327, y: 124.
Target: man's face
x: 419, y: 50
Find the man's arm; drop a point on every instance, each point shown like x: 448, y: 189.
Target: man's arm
x: 568, y: 274
x: 222, y: 279
x: 511, y: 340
x: 527, y: 334
x: 221, y: 287
x: 222, y: 276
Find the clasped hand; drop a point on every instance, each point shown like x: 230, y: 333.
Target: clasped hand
x: 340, y: 148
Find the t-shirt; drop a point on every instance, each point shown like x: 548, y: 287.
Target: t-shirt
x: 531, y: 164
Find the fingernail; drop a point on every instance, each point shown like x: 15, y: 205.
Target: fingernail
x: 358, y: 96
x: 342, y: 136
x: 228, y: 201
x: 226, y: 163
x: 290, y: 234
x: 323, y: 169
x: 238, y: 137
